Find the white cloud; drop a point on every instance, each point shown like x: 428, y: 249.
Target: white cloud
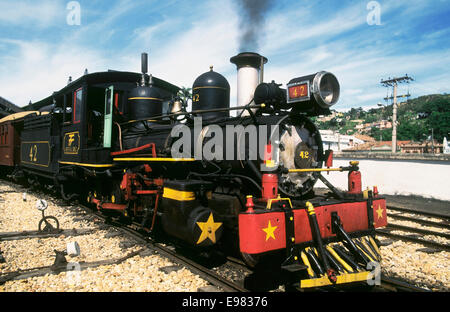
x: 182, y: 48
x: 25, y: 13
x: 181, y: 58
x: 40, y: 68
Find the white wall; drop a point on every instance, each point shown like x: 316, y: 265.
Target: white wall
x: 392, y: 177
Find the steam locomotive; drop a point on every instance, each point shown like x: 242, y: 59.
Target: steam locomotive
x: 126, y: 143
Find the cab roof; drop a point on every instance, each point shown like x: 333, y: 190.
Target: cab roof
x: 110, y: 76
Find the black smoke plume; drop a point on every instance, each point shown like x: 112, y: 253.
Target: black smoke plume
x: 251, y: 22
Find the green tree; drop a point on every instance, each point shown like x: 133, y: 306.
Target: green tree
x: 381, y: 135
x: 438, y: 110
x: 440, y: 123
x: 185, y: 94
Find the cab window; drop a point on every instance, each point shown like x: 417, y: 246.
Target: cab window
x: 68, y: 113
x: 77, y: 104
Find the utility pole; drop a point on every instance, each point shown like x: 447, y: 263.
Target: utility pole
x: 393, y: 82
x: 432, y: 140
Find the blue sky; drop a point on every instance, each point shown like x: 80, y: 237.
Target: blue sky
x: 39, y: 50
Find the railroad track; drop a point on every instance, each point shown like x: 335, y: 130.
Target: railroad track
x: 420, y: 212
x: 154, y: 246
x: 414, y: 231
x: 204, y: 272
x: 7, y: 236
x: 56, y: 269
x: 145, y: 241
x: 397, y: 285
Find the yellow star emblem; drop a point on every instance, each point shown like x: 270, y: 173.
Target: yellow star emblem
x: 270, y: 231
x: 209, y: 229
x: 379, y: 212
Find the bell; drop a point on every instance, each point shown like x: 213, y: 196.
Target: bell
x: 176, y: 107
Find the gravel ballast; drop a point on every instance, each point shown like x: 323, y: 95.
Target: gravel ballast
x: 138, y: 273
x: 146, y: 272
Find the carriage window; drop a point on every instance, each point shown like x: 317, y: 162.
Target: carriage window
x: 77, y: 101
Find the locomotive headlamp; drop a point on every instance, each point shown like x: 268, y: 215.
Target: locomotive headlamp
x: 321, y: 89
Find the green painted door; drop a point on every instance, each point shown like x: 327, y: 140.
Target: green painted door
x: 107, y: 131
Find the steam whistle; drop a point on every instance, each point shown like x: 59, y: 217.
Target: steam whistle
x: 144, y: 68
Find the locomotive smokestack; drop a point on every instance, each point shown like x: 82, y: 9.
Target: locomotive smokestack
x: 249, y: 75
x: 261, y: 70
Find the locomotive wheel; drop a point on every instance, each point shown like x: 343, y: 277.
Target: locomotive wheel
x: 49, y: 224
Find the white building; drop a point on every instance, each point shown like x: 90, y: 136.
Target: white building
x: 338, y: 142
x: 445, y: 146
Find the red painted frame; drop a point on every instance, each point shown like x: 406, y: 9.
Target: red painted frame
x: 253, y: 227
x: 75, y: 105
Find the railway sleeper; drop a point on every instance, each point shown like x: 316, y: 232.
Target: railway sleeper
x: 62, y: 267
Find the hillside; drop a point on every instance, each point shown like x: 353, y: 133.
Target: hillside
x: 416, y: 118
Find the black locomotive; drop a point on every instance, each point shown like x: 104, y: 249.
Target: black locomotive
x: 113, y: 139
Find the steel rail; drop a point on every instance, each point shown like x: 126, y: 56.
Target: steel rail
x: 384, y: 232
x: 51, y: 269
x: 196, y: 268
x: 420, y: 212
x: 418, y: 220
x: 416, y: 230
x: 225, y: 284
x: 7, y: 236
x: 399, y: 285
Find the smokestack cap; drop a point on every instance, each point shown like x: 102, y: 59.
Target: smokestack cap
x: 248, y: 59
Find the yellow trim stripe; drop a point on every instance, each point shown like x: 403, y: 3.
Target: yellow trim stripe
x: 365, y: 253
x: 341, y: 279
x: 178, y: 195
x: 34, y: 164
x: 339, y: 259
x: 269, y: 202
x: 36, y: 142
x: 372, y: 242
x: 86, y: 165
x: 211, y: 87
x: 152, y: 159
x: 364, y: 243
x: 149, y: 120
x: 314, y: 170
x: 306, y: 262
x: 144, y: 98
